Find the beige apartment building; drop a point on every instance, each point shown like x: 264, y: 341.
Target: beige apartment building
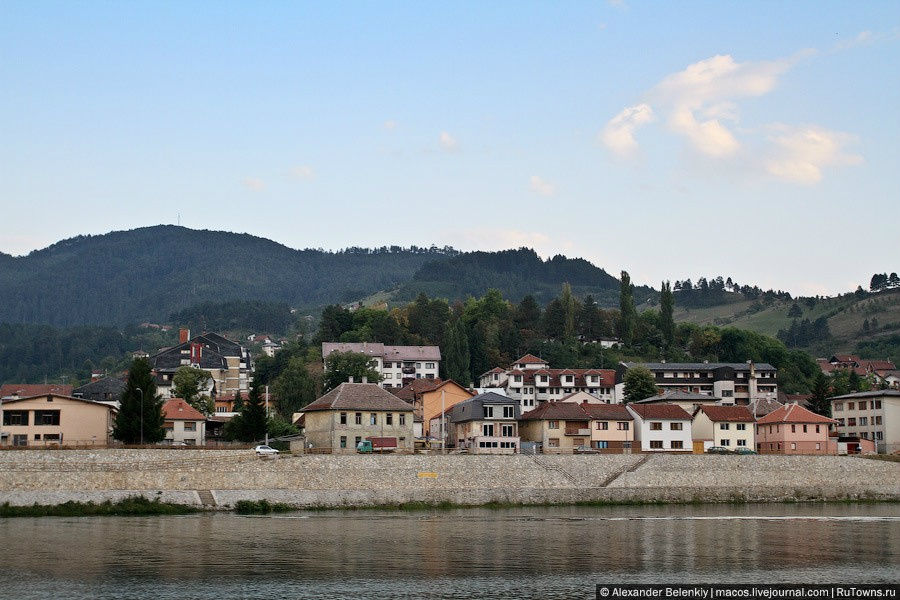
x: 557, y: 426
x: 354, y: 412
x: 53, y: 419
x: 731, y: 427
x: 871, y: 415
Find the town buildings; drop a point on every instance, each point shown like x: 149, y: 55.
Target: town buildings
x: 12, y: 391
x: 183, y: 423
x: 106, y: 389
x: 689, y: 401
x: 353, y: 412
x: 731, y: 427
x: 792, y: 429
x: 661, y: 427
x: 429, y: 397
x: 531, y: 381
x: 54, y: 419
x: 873, y: 415
x: 228, y: 363
x: 852, y: 362
x: 397, y: 365
x: 612, y: 427
x: 744, y: 383
x: 557, y: 427
x: 483, y: 424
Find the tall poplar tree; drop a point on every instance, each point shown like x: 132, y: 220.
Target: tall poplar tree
x: 666, y: 313
x: 627, y: 312
x: 568, y: 306
x: 456, y: 358
x: 140, y: 396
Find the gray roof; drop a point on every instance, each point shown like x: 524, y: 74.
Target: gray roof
x: 701, y: 366
x: 388, y: 353
x: 359, y: 396
x: 674, y: 396
x: 106, y: 389
x: 869, y: 394
x: 473, y: 408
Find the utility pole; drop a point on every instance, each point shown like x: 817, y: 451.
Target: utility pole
x: 142, y: 415
x: 443, y: 426
x: 267, y: 415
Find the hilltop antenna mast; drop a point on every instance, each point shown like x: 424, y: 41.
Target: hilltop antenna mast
x: 179, y: 219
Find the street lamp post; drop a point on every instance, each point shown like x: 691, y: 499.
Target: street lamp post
x: 142, y: 415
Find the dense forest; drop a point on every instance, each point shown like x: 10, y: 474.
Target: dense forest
x: 274, y: 318
x: 720, y: 290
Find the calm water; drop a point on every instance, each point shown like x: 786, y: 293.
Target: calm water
x: 516, y: 553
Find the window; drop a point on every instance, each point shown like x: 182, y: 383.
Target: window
x: 725, y: 442
x: 622, y: 425
x: 879, y: 435
x: 851, y: 421
x: 343, y: 420
x: 343, y: 441
x: 724, y: 426
x: 877, y: 404
x: 507, y: 430
x: 877, y: 420
x: 727, y: 393
x: 487, y: 430
x: 602, y: 425
x: 655, y: 426
x: 553, y: 443
x: 552, y: 424
x: 838, y: 407
x: 46, y: 417
x: 358, y: 418
x: 793, y: 429
x: 15, y: 417
x: 862, y: 405
x: 851, y: 405
x: 389, y: 419
x: 373, y: 419
x: 402, y: 419
x: 418, y: 365
x: 601, y: 445
x: 677, y: 445
x: 804, y: 428
x: 793, y: 446
x: 509, y: 412
x: 656, y: 444
x: 863, y: 421
x: 388, y: 375
x: 488, y: 412
x: 429, y: 365
x: 190, y: 426
x: 742, y: 442
x: 357, y: 441
x: 675, y: 426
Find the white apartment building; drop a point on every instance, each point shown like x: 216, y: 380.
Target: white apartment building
x: 397, y: 365
x: 871, y: 415
x: 745, y: 383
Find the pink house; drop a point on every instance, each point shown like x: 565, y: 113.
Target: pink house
x: 792, y: 429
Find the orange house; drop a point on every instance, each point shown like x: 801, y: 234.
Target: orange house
x: 428, y: 396
x: 792, y: 429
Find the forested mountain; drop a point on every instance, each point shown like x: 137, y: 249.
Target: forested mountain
x: 150, y: 273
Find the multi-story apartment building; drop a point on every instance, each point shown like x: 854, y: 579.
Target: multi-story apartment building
x: 731, y: 427
x: 871, y: 415
x: 531, y: 381
x: 484, y: 424
x: 792, y: 429
x: 397, y: 365
x: 228, y: 363
x: 745, y: 383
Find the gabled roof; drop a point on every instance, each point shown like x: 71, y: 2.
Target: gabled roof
x: 667, y: 366
x: 108, y: 388
x: 8, y: 401
x: 530, y: 359
x: 388, y: 353
x: 359, y: 396
x: 607, y: 412
x: 677, y: 395
x: 27, y: 390
x: 763, y: 406
x: 660, y: 411
x: 793, y: 413
x: 414, y: 388
x: 557, y: 411
x: 176, y: 409
x: 605, y: 377
x: 726, y: 414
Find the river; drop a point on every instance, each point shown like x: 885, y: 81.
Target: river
x: 483, y: 553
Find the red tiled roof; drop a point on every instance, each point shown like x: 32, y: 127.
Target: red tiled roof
x: 876, y: 365
x: 730, y: 414
x: 27, y: 390
x: 530, y: 359
x: 660, y: 411
x: 411, y: 391
x: 603, y: 412
x: 793, y: 413
x: 557, y: 411
x: 607, y: 377
x: 176, y: 409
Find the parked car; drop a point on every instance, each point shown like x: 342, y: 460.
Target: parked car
x: 719, y: 450
x: 745, y: 451
x: 263, y: 450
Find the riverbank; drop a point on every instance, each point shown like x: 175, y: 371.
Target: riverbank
x: 220, y: 480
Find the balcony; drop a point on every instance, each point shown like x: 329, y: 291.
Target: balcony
x: 579, y: 429
x: 408, y: 370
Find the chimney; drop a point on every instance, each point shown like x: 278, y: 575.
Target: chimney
x: 184, y: 335
x: 365, y: 379
x: 350, y: 379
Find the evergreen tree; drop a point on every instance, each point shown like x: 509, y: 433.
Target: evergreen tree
x: 140, y: 396
x: 568, y: 306
x: 627, y: 313
x: 238, y: 403
x: 795, y: 311
x: 853, y: 381
x: 456, y: 355
x: 667, y: 309
x: 253, y: 416
x: 819, y: 402
x: 528, y: 314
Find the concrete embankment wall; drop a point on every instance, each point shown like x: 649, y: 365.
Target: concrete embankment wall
x: 49, y: 477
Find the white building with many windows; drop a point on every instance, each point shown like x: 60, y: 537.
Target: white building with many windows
x: 661, y: 427
x: 871, y: 415
x: 397, y: 365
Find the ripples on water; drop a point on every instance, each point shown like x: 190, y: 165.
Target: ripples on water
x: 510, y: 553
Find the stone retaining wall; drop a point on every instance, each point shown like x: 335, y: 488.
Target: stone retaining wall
x: 49, y: 477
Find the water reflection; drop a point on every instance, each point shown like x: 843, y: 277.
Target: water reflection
x: 550, y: 551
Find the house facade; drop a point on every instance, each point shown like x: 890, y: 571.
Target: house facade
x: 183, y: 423
x: 228, y: 363
x: 742, y: 383
x: 873, y: 415
x: 731, y: 427
x: 52, y: 419
x: 429, y: 397
x: 354, y: 412
x: 661, y: 427
x: 484, y: 424
x: 557, y: 427
x: 612, y: 427
x: 397, y: 365
x: 531, y: 381
x: 792, y: 429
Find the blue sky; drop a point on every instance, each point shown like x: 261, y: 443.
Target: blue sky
x: 756, y: 140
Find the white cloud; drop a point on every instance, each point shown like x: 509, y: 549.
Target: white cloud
x: 539, y: 186
x: 390, y: 124
x: 618, y: 135
x: 800, y: 153
x: 304, y: 172
x: 448, y: 142
x: 255, y: 184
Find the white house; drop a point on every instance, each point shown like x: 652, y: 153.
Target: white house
x: 184, y: 423
x: 731, y: 427
x: 661, y: 427
x: 397, y: 365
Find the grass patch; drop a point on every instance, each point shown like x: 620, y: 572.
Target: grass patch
x: 261, y: 507
x: 127, y: 507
